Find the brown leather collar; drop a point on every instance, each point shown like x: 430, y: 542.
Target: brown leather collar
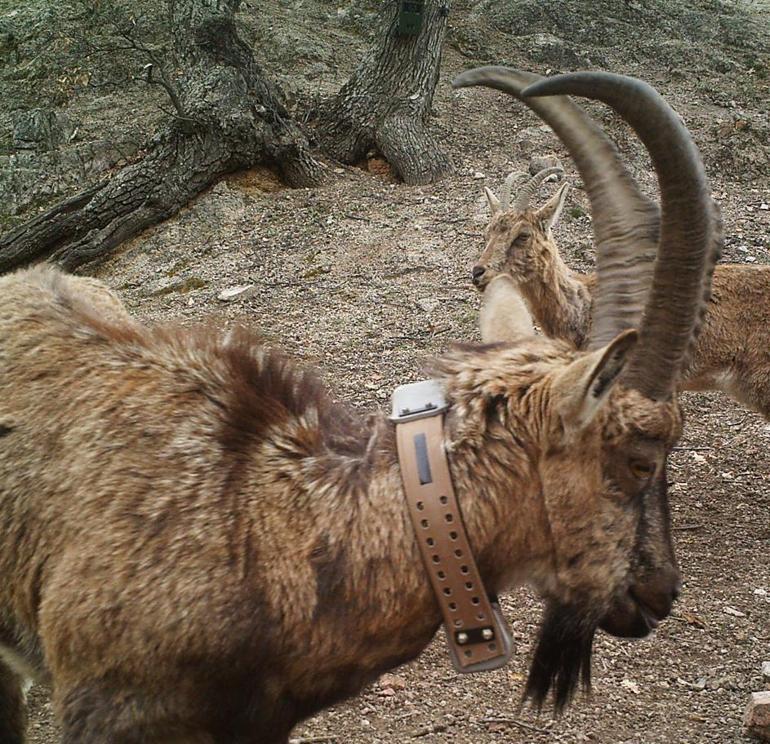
x: 478, y: 636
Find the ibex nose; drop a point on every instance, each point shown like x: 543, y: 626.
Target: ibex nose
x: 477, y: 272
x: 658, y: 596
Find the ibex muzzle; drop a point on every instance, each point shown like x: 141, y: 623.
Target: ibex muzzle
x: 477, y: 274
x: 657, y: 582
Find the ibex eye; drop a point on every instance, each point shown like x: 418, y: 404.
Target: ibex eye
x: 641, y: 469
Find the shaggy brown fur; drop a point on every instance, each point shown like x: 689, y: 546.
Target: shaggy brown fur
x: 732, y: 352
x: 197, y: 545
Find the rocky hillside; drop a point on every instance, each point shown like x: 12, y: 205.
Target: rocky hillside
x: 76, y: 104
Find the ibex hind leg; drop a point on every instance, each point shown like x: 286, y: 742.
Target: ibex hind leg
x: 93, y: 715
x: 110, y: 737
x: 140, y: 736
x: 13, y: 707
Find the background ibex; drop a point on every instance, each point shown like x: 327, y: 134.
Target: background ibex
x: 733, y: 350
x: 197, y: 545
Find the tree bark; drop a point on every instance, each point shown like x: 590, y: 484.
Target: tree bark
x: 386, y: 103
x: 229, y: 118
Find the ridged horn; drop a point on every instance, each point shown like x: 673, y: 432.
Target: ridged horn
x: 626, y: 223
x: 690, y: 234
x: 524, y: 197
x: 505, y: 192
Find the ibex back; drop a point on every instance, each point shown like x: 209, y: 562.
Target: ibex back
x: 197, y: 545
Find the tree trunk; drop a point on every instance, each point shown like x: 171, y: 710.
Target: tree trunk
x: 230, y: 118
x: 386, y: 103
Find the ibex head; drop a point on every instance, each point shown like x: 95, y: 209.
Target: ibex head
x: 609, y: 416
x: 518, y: 233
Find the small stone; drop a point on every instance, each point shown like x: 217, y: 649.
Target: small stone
x: 239, y: 292
x: 41, y: 129
x: 427, y: 304
x: 478, y: 175
x: 766, y: 672
x: 630, y: 685
x: 220, y: 189
x: 541, y: 162
x: 732, y: 611
x: 496, y: 727
x: 757, y: 718
x: 165, y: 286
x: 720, y: 683
x: 393, y: 681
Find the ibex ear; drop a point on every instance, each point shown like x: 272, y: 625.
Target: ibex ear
x: 586, y: 384
x: 494, y: 203
x: 550, y: 212
x: 503, y: 315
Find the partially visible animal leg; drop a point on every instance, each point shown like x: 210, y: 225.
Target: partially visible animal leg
x: 108, y: 715
x: 13, y: 707
x: 140, y: 735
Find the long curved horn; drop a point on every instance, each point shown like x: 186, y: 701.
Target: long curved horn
x: 626, y: 223
x: 690, y: 236
x: 505, y: 192
x: 524, y: 197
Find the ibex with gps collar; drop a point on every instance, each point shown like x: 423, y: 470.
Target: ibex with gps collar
x: 198, y: 545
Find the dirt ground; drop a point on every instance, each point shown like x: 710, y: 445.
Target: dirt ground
x: 366, y: 278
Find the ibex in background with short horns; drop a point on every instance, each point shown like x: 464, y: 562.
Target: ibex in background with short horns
x: 198, y: 545
x: 732, y: 353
